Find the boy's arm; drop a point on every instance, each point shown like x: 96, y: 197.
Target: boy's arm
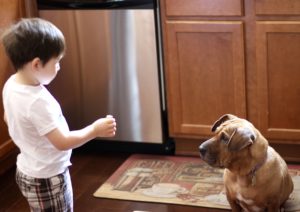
x: 104, y: 127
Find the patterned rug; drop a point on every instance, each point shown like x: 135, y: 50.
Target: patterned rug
x: 176, y: 180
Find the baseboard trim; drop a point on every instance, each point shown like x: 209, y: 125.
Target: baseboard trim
x: 167, y: 148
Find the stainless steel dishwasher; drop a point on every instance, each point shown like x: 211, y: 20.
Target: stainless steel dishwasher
x: 113, y: 48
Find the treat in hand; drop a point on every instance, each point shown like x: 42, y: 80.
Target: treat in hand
x: 105, y: 127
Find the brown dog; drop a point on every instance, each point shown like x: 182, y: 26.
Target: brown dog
x: 256, y: 178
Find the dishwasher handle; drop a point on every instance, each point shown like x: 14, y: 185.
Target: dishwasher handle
x: 94, y: 4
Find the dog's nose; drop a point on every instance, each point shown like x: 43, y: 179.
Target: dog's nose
x: 202, y: 150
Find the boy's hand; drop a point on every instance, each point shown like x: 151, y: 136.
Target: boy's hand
x: 105, y: 127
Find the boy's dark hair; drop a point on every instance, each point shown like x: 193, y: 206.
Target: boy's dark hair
x: 31, y: 38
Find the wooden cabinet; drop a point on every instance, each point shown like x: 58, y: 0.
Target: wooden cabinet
x: 242, y: 58
x: 205, y: 74
x: 10, y: 11
x: 278, y: 74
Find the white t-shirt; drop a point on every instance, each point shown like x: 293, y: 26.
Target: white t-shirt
x: 31, y: 113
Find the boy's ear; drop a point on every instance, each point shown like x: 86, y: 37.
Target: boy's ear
x: 35, y: 63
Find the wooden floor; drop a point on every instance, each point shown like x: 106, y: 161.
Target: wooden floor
x: 89, y: 170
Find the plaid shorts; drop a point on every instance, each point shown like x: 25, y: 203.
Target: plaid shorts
x: 52, y: 194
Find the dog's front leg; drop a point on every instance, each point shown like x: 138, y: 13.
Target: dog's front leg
x: 235, y: 207
x: 274, y: 208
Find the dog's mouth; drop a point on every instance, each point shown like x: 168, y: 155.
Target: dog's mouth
x: 211, y: 160
x: 210, y: 157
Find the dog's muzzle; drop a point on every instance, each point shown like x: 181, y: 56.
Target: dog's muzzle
x: 206, y: 154
x: 202, y: 151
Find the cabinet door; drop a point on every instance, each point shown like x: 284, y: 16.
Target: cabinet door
x: 9, y: 12
x: 278, y: 70
x: 6, y: 144
x: 205, y: 75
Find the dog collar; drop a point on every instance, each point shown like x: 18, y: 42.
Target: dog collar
x: 252, y: 173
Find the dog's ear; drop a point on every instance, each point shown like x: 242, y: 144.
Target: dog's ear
x: 221, y: 120
x: 241, y: 138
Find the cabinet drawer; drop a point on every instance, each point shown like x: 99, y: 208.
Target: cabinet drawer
x: 203, y: 7
x: 277, y: 7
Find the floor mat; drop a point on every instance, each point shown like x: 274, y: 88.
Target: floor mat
x: 176, y: 180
